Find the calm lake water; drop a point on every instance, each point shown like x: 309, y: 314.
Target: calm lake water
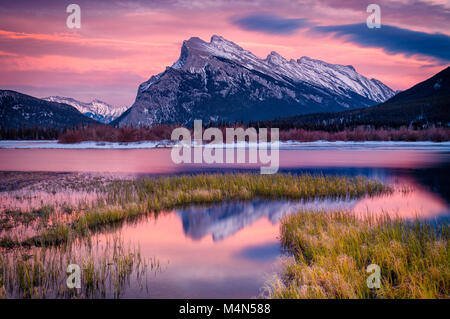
x: 229, y: 250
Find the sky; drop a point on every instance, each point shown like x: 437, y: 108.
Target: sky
x: 122, y: 43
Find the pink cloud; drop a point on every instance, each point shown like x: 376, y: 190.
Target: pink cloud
x: 125, y: 45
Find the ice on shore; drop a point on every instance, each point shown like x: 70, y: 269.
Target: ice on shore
x: 317, y: 145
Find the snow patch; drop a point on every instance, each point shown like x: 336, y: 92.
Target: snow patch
x: 286, y: 145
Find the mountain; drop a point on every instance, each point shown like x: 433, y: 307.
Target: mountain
x: 425, y: 103
x: 20, y: 110
x: 220, y: 81
x: 97, y: 110
x: 225, y: 219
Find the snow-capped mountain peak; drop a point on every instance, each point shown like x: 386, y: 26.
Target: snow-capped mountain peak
x: 342, y: 79
x: 221, y: 80
x: 275, y: 59
x: 97, y: 109
x: 19, y: 110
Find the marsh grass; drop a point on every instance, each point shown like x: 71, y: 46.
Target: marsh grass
x: 331, y: 251
x: 106, y: 270
x: 10, y: 218
x: 165, y: 193
x: 127, y: 199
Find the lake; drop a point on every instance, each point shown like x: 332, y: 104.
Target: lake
x: 229, y: 250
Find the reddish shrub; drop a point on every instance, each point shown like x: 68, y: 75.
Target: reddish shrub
x: 164, y: 131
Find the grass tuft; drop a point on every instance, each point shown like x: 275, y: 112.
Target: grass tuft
x: 126, y: 199
x: 331, y: 252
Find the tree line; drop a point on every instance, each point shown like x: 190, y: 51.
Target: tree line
x: 30, y: 133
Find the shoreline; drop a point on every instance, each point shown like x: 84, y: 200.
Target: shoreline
x: 376, y: 145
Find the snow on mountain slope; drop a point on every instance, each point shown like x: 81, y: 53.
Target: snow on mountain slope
x: 19, y: 110
x: 336, y: 77
x: 97, y: 110
x: 220, y: 81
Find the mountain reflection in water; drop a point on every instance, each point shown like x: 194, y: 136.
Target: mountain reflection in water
x: 230, y: 249
x: 225, y: 219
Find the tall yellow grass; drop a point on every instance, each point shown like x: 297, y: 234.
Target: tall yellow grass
x: 331, y: 252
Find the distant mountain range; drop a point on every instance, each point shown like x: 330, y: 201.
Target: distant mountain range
x: 97, y: 110
x: 20, y: 110
x: 220, y: 81
x: 424, y: 103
